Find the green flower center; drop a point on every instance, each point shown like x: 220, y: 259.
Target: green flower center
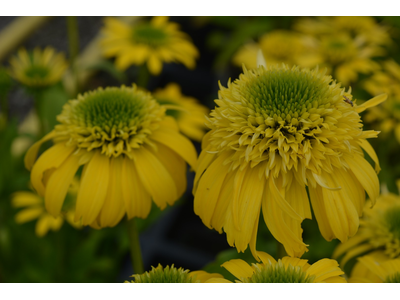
x: 149, y: 35
x: 286, y: 93
x: 164, y: 275
x: 37, y: 72
x: 394, y: 278
x: 115, y: 120
x: 392, y: 218
x: 278, y: 273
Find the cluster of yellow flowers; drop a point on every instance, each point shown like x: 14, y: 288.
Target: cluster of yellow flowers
x: 280, y: 136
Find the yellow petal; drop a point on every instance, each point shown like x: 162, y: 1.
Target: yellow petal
x: 178, y: 143
x: 203, y: 276
x: 93, y: 188
x: 266, y: 258
x: 51, y: 158
x: 154, y: 64
x: 370, y: 103
x: 154, y: 176
x: 371, y: 152
x: 21, y: 199
x: 32, y: 152
x: 324, y: 269
x: 238, y: 268
x: 28, y: 214
x: 59, y: 183
x: 137, y: 200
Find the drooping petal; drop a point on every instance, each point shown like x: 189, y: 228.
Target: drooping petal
x: 32, y: 152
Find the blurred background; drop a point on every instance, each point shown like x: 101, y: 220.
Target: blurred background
x: 361, y: 52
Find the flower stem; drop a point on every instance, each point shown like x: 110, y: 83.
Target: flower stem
x: 143, y: 77
x: 73, y: 43
x: 134, y: 243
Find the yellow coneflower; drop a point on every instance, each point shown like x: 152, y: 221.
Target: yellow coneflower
x: 154, y: 42
x: 276, y: 130
x: 188, y: 112
x: 34, y: 209
x: 364, y: 28
x: 40, y: 68
x: 278, y: 46
x: 130, y: 150
x: 285, y: 270
x: 372, y: 270
x: 386, y: 117
x: 171, y: 274
x: 379, y: 230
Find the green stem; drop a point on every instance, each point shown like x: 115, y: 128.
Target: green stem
x: 134, y: 243
x: 73, y: 43
x: 37, y: 98
x: 4, y: 106
x: 143, y: 77
x: 280, y: 250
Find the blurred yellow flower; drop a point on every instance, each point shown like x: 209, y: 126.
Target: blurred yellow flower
x: 40, y: 68
x: 345, y: 46
x: 131, y: 153
x: 188, y: 112
x: 34, y: 209
x: 274, y: 131
x: 155, y: 42
x: 278, y: 46
x: 385, y: 117
x: 379, y: 230
x: 172, y: 275
x: 285, y: 270
x: 369, y: 269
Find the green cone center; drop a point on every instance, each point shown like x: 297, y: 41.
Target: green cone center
x: 392, y: 218
x: 286, y: 93
x: 37, y: 72
x: 394, y: 278
x: 111, y: 109
x: 278, y: 273
x: 164, y: 275
x: 149, y: 35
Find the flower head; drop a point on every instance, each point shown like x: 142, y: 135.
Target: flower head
x: 285, y: 270
x: 369, y: 269
x: 34, y: 209
x: 40, y: 68
x: 188, y: 112
x: 379, y: 230
x: 275, y: 131
x: 131, y: 153
x: 172, y: 275
x: 154, y: 42
x: 279, y: 46
x: 386, y: 117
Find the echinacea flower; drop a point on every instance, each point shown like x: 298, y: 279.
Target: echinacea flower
x: 172, y: 275
x: 371, y: 270
x: 278, y: 46
x: 188, y: 112
x: 285, y: 270
x: 41, y: 68
x: 34, y: 209
x: 131, y: 153
x: 385, y: 117
x: 379, y: 230
x: 153, y: 42
x: 275, y: 131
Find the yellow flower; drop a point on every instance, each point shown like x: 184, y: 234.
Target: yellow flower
x: 279, y: 46
x: 369, y: 269
x: 379, y: 230
x: 274, y: 131
x: 34, y: 209
x: 188, y: 112
x: 39, y: 68
x: 386, y: 116
x: 172, y: 275
x: 285, y: 270
x: 131, y: 153
x: 363, y: 27
x: 154, y: 42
